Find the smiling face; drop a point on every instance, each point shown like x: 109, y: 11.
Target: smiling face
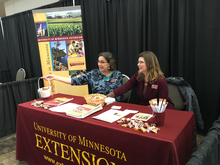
x: 142, y: 65
x: 103, y: 64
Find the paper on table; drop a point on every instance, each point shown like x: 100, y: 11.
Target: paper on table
x: 65, y: 107
x: 111, y: 115
x: 131, y: 111
x: 116, y: 107
x: 109, y: 100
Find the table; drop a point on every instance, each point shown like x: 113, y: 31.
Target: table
x: 46, y: 137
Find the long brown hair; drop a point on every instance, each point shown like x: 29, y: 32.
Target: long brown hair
x: 153, y: 67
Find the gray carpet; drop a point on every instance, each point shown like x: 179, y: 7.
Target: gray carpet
x: 7, y: 151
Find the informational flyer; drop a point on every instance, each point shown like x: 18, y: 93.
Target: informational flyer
x: 113, y: 115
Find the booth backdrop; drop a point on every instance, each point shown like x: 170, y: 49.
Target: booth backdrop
x: 183, y: 34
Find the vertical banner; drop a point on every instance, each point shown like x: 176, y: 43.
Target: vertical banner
x: 61, y: 46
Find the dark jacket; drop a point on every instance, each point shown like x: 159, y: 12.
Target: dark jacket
x: 189, y: 97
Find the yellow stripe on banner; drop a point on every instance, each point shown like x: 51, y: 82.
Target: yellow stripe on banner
x: 40, y: 17
x: 46, y: 62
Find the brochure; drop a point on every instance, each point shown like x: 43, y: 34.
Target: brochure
x: 83, y: 111
x: 58, y: 101
x: 65, y: 107
x: 142, y: 116
x: 111, y: 115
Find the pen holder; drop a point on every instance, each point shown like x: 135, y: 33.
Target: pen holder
x: 159, y: 118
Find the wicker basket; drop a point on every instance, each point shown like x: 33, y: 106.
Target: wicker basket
x: 95, y: 99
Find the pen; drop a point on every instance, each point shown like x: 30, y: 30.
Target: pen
x: 110, y: 103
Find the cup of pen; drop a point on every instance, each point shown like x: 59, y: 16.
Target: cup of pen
x: 159, y: 118
x: 158, y: 111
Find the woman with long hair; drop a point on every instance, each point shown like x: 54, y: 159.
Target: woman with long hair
x: 149, y: 80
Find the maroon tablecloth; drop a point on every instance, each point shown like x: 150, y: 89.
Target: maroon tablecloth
x: 45, y: 137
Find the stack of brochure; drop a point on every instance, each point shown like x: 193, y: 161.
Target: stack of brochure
x: 83, y: 111
x: 64, y: 107
x: 58, y: 101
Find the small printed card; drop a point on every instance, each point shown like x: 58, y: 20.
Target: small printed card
x: 142, y: 116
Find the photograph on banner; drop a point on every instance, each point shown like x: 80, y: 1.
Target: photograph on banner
x: 75, y: 48
x: 59, y: 54
x: 76, y: 73
x: 64, y: 23
x: 41, y: 25
x: 77, y: 63
x: 41, y: 29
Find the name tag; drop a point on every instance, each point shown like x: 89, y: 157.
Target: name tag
x: 154, y: 86
x: 113, y: 80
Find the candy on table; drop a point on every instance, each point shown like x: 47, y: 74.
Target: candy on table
x: 130, y: 125
x: 124, y: 125
x: 138, y: 125
x: 127, y: 120
x: 39, y: 104
x: 119, y: 121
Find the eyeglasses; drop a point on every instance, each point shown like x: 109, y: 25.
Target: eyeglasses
x: 101, y: 62
x: 140, y: 62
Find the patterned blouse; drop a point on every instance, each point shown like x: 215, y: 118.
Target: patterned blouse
x: 99, y: 83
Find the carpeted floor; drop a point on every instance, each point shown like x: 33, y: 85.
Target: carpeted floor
x: 7, y: 151
x: 8, y: 144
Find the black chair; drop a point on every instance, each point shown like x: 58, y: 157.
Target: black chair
x: 126, y: 97
x: 175, y: 96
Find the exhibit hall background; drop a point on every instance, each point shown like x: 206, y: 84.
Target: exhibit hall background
x: 183, y: 34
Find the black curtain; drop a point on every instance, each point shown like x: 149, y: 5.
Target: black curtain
x: 183, y: 34
x: 3, y: 55
x: 12, y: 94
x: 21, y: 44
x: 206, y: 59
x: 4, y: 68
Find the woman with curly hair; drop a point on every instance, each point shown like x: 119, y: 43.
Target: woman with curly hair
x: 102, y: 80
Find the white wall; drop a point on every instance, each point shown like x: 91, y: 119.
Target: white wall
x: 2, y: 10
x: 17, y: 6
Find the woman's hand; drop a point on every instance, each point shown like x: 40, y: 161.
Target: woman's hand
x: 50, y: 77
x: 111, y: 94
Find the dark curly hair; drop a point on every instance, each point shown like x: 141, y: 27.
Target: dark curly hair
x: 109, y: 58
